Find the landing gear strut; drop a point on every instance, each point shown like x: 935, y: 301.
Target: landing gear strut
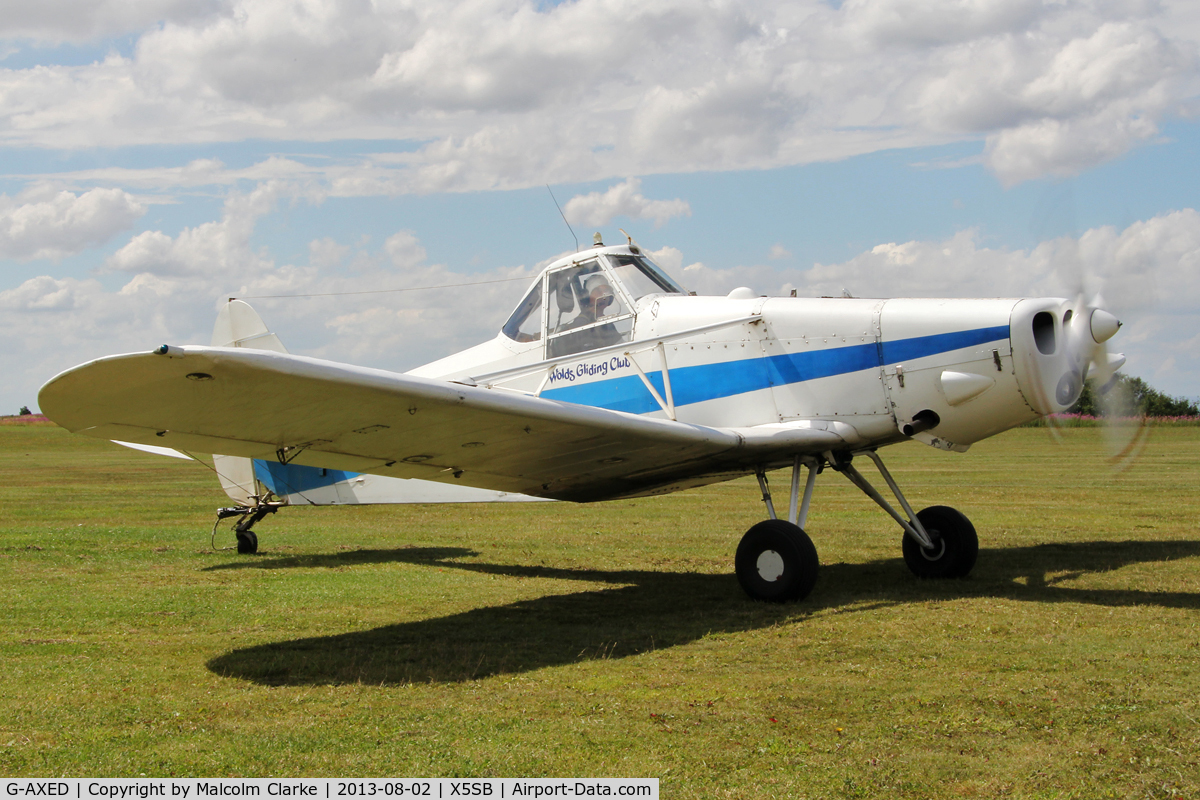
x: 247, y: 540
x: 777, y: 563
x: 939, y: 542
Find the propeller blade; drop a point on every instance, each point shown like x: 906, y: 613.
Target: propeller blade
x: 1125, y: 428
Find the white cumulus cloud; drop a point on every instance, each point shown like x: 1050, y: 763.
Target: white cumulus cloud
x: 404, y: 249
x: 511, y: 93
x: 61, y: 223
x: 80, y: 20
x: 212, y: 248
x: 623, y: 200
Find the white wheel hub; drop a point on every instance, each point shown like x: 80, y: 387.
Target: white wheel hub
x: 770, y: 566
x: 939, y: 549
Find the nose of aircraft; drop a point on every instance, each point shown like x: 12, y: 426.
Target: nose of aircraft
x: 1103, y: 325
x: 1062, y: 343
x: 1088, y: 329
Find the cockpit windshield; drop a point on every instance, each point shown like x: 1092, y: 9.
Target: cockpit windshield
x: 584, y: 310
x: 641, y: 277
x: 525, y: 324
x: 586, y: 304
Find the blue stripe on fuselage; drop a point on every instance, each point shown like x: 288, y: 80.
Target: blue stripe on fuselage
x: 725, y: 379
x: 922, y: 346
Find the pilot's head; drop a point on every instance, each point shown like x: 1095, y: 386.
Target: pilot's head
x: 599, y: 294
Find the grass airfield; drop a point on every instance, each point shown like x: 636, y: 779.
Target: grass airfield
x: 611, y: 639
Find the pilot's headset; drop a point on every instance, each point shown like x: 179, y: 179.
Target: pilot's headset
x: 605, y: 298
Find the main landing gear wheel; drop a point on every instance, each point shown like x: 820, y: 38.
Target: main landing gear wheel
x: 956, y: 545
x: 247, y: 542
x: 776, y: 562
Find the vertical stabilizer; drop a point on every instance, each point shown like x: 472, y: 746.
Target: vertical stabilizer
x: 239, y: 325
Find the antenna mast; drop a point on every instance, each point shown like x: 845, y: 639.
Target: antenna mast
x: 564, y: 217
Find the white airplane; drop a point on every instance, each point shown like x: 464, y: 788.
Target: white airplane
x: 609, y: 380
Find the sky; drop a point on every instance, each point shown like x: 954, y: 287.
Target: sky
x: 158, y: 157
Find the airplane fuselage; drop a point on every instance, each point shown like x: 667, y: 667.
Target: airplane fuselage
x: 946, y: 372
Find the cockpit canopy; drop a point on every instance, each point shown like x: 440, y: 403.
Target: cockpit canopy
x: 587, y: 302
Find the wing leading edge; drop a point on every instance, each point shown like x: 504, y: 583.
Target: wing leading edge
x: 294, y: 409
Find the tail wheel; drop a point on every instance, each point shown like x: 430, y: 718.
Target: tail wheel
x: 247, y: 542
x: 776, y: 562
x: 956, y: 545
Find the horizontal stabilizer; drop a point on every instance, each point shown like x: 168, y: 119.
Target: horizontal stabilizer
x: 158, y: 451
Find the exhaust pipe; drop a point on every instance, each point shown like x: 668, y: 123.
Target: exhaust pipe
x: 921, y: 421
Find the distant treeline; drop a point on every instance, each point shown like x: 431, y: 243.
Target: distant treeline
x: 1133, y: 397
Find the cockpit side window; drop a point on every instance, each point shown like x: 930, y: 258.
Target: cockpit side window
x: 580, y: 295
x: 525, y: 324
x: 640, y: 277
x: 585, y: 311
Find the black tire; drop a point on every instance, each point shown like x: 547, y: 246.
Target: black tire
x: 776, y: 562
x: 955, y: 540
x: 247, y: 542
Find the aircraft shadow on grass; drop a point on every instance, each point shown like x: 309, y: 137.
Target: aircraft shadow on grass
x: 648, y: 610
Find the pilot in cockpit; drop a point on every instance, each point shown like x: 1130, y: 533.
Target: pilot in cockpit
x: 597, y: 297
x: 596, y: 300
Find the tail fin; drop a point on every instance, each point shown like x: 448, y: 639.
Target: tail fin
x: 239, y: 325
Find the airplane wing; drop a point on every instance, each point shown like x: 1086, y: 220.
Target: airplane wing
x: 293, y: 409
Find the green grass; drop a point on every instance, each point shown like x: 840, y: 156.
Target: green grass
x: 611, y: 639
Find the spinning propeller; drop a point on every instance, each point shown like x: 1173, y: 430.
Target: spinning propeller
x: 1087, y: 323
x: 1087, y: 328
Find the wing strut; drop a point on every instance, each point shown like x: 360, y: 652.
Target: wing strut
x: 912, y: 526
